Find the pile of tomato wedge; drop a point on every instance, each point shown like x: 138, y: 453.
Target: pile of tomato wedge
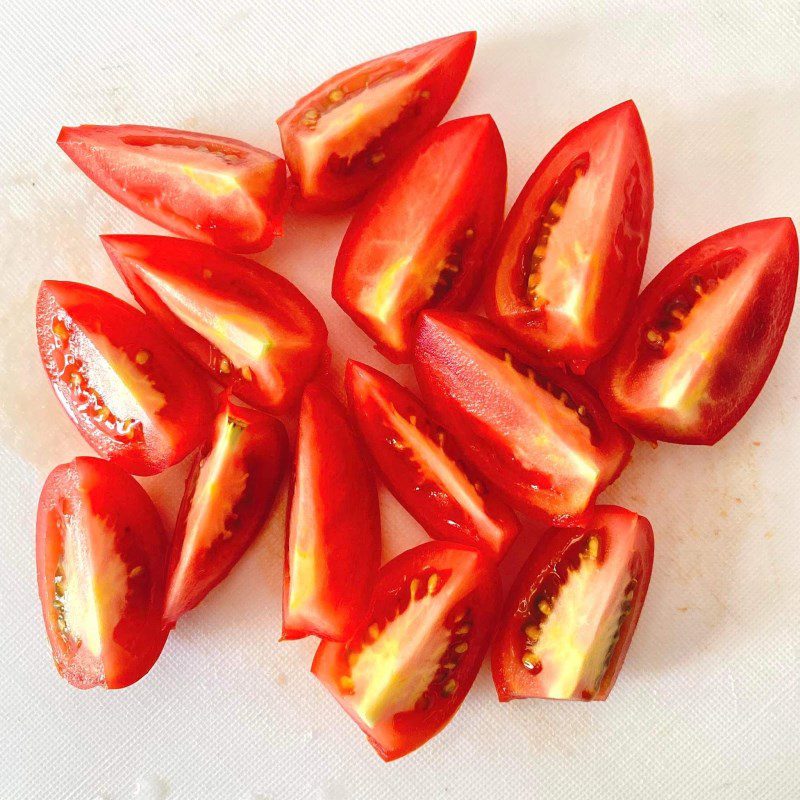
x: 523, y: 415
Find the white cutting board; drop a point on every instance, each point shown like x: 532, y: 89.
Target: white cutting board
x: 707, y: 704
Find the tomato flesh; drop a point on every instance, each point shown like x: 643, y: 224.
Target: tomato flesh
x: 421, y: 237
x: 252, y: 329
x: 132, y: 396
x: 100, y: 555
x: 570, y: 616
x: 210, y: 188
x: 229, y: 494
x: 538, y: 434
x: 406, y: 670
x: 343, y: 136
x: 333, y: 532
x: 704, y: 336
x: 569, y: 259
x: 424, y: 467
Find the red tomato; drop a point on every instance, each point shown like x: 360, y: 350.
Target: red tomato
x: 229, y: 493
x: 333, y: 530
x: 540, y: 435
x: 249, y: 327
x: 100, y: 556
x: 420, y: 239
x: 210, y: 188
x: 424, y: 467
x: 570, y: 616
x: 704, y: 336
x: 341, y: 138
x: 569, y: 259
x: 407, y: 668
x: 131, y: 395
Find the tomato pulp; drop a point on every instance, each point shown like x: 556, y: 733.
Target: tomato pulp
x: 704, y: 336
x: 249, y: 327
x: 342, y: 137
x: 229, y: 494
x: 420, y: 238
x: 131, y: 394
x: 409, y: 665
x: 571, y: 613
x: 569, y: 258
x: 210, y: 188
x: 539, y: 435
x: 100, y: 556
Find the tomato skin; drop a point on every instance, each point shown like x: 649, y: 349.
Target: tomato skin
x: 210, y: 188
x: 335, y: 157
x: 625, y: 553
x: 229, y: 494
x: 189, y: 288
x: 382, y: 409
x: 716, y: 317
x: 588, y: 206
x: 437, y: 213
x: 519, y: 422
x: 92, y: 343
x: 475, y: 596
x: 119, y: 545
x: 333, y: 527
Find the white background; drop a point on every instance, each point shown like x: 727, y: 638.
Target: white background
x: 707, y: 705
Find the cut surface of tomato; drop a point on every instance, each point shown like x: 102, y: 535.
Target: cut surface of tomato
x: 333, y: 530
x: 569, y: 259
x: 704, y: 336
x: 408, y: 667
x: 100, y: 562
x: 571, y: 613
x: 423, y: 466
x: 539, y: 435
x: 229, y: 494
x: 210, y: 188
x: 421, y: 238
x: 133, y: 396
x: 252, y: 329
x: 342, y: 137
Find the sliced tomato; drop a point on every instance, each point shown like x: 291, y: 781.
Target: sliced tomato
x: 252, y: 329
x: 333, y: 530
x: 210, y: 188
x: 408, y: 667
x: 420, y: 239
x: 570, y: 616
x: 100, y: 558
x: 130, y: 393
x: 569, y: 259
x: 229, y: 494
x: 424, y: 467
x: 343, y: 136
x: 540, y: 435
x: 704, y: 336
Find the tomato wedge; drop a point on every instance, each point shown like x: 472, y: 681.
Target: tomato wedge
x: 252, y: 329
x: 229, y: 494
x: 210, y: 188
x: 424, y: 467
x: 343, y: 136
x: 540, y: 435
x: 132, y: 396
x: 704, y: 336
x: 408, y: 667
x: 421, y: 237
x: 100, y: 556
x: 333, y: 530
x: 569, y: 259
x: 571, y: 613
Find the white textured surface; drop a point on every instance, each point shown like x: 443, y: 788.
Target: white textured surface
x: 708, y: 704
